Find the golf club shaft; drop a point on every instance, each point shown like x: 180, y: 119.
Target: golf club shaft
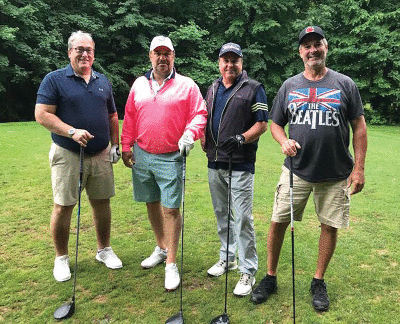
x: 78, y: 220
x: 227, y: 235
x: 183, y: 224
x: 292, y: 232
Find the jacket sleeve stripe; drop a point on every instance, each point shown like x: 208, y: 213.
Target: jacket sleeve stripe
x: 259, y: 106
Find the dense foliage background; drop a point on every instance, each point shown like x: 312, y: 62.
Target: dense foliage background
x: 363, y: 37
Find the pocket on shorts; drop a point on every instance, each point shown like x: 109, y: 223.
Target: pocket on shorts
x: 51, y: 153
x: 105, y: 154
x: 277, y: 191
x: 343, y: 221
x: 177, y: 157
x: 346, y: 201
x: 55, y: 155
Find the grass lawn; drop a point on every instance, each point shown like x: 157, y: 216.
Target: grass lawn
x: 363, y: 278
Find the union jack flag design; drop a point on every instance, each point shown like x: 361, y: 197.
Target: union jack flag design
x: 315, y: 98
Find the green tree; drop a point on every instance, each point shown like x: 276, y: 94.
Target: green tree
x: 362, y: 34
x: 33, y: 38
x: 363, y: 44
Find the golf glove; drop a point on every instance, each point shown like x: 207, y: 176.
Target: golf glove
x: 115, y: 155
x: 186, y: 143
x: 232, y: 143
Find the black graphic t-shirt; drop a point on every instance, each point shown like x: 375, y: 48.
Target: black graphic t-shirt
x: 318, y: 113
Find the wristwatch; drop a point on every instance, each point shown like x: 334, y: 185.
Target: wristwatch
x: 240, y: 139
x: 71, y: 132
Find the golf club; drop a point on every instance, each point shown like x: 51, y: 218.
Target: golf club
x: 292, y: 231
x: 178, y: 318
x: 68, y: 309
x: 224, y: 318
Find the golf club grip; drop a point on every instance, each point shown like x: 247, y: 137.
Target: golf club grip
x: 81, y: 157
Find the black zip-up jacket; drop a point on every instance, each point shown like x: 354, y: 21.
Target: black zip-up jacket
x: 236, y: 118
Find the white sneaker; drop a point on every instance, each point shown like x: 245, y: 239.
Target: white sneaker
x: 172, y: 278
x: 108, y: 257
x: 245, y: 284
x: 61, y: 270
x: 218, y: 269
x: 159, y: 255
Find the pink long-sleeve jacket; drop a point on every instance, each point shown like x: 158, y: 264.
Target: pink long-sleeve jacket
x: 157, y: 121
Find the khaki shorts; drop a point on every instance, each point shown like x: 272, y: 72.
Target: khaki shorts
x: 331, y: 200
x: 98, y: 176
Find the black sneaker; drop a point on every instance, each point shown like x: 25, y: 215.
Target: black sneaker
x: 320, y: 299
x: 266, y: 287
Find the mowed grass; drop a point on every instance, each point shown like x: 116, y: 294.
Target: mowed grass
x: 363, y: 278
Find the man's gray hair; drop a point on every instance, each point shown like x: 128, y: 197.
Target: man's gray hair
x: 78, y: 35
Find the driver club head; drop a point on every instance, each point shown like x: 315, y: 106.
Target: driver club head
x: 65, y: 311
x: 221, y: 319
x: 176, y: 319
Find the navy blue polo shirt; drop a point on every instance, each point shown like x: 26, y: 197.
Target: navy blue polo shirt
x: 221, y: 98
x: 81, y: 105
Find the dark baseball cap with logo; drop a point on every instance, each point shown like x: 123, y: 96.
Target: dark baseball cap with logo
x: 311, y: 30
x: 231, y: 47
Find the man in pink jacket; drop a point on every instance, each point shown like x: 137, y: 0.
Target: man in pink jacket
x: 164, y: 115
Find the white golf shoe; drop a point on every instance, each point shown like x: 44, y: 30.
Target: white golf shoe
x: 172, y: 278
x: 61, y: 271
x: 245, y: 284
x: 109, y: 258
x: 218, y: 269
x: 159, y: 255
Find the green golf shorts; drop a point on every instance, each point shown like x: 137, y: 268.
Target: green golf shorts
x: 157, y: 177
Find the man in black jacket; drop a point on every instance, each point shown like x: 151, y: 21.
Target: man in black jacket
x: 237, y: 117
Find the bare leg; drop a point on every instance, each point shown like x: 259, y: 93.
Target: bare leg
x: 327, y: 245
x: 59, y: 226
x: 156, y: 218
x: 275, y: 239
x: 102, y: 219
x: 172, y: 222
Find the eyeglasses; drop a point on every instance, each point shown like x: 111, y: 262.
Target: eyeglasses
x: 81, y: 50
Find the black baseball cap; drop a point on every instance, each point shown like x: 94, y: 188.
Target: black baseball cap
x: 311, y: 30
x: 230, y: 47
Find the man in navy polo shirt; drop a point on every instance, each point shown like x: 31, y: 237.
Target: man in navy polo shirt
x: 77, y: 105
x: 237, y: 117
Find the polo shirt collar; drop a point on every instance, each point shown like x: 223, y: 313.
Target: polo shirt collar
x: 71, y: 72
x: 149, y: 74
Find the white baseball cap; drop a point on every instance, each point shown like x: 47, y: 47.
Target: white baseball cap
x: 161, y: 41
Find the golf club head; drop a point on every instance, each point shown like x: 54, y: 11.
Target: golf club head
x: 176, y: 319
x: 221, y: 319
x: 65, y: 311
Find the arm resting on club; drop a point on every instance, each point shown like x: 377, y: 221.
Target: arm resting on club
x: 46, y: 116
x: 255, y: 131
x: 288, y: 146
